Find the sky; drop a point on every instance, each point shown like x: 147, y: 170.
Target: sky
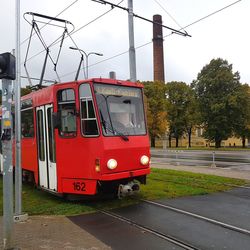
x: 224, y: 34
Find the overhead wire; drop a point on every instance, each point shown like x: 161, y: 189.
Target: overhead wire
x: 35, y: 27
x: 157, y: 2
x: 104, y: 60
x: 211, y: 14
x: 95, y: 19
x: 45, y: 24
x: 141, y: 17
x: 143, y: 45
x: 55, y: 42
x: 140, y: 46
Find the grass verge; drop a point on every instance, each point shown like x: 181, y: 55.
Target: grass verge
x: 161, y: 183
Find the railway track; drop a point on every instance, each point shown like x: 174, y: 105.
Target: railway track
x: 171, y: 238
x: 197, y: 216
x: 157, y: 233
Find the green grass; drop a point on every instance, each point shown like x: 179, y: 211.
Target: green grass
x: 161, y: 183
x: 172, y: 184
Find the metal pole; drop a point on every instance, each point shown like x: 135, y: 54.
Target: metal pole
x: 18, y: 168
x: 7, y: 164
x: 132, y: 58
x: 79, y: 68
x: 85, y: 69
x: 87, y: 66
x: 213, y: 165
x: 176, y: 157
x: 87, y: 60
x: 44, y: 67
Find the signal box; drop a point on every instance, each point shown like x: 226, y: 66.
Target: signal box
x: 7, y: 66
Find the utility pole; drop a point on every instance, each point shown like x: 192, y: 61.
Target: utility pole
x: 131, y: 14
x: 18, y: 168
x: 7, y: 73
x: 132, y: 58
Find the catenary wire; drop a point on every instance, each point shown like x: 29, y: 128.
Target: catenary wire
x: 211, y: 14
x: 95, y: 19
x: 25, y: 40
x: 107, y: 59
x: 141, y: 17
x: 157, y: 2
x: 145, y: 44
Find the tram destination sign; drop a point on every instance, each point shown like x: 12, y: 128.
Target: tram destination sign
x: 117, y: 90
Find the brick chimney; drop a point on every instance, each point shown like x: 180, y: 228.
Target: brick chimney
x: 158, y: 49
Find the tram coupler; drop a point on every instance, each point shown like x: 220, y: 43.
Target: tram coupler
x: 128, y: 189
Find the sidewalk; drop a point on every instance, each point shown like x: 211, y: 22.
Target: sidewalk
x: 225, y: 172
x: 52, y: 232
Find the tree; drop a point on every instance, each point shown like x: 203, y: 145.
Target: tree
x: 181, y: 110
x: 217, y: 88
x: 156, y: 109
x: 192, y: 115
x: 25, y: 91
x: 242, y: 121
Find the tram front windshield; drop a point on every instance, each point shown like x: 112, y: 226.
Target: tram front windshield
x: 121, y: 110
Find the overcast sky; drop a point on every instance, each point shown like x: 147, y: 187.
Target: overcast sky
x: 225, y: 34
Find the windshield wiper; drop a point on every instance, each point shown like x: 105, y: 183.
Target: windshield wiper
x: 124, y: 137
x: 115, y: 131
x: 103, y: 122
x: 107, y: 126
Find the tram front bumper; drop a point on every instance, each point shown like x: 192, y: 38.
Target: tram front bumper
x: 89, y: 186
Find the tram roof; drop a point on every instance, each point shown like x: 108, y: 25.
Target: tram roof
x: 46, y: 95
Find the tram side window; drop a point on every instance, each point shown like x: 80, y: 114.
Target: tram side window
x: 52, y: 149
x: 88, y: 116
x: 67, y: 112
x: 27, y: 126
x: 40, y: 137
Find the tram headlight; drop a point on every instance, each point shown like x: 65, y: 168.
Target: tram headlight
x: 112, y: 164
x: 144, y: 160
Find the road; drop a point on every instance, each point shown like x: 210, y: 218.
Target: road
x: 224, y: 159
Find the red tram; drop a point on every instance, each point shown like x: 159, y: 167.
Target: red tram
x: 85, y: 137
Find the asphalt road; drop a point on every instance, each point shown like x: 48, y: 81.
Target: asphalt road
x: 231, y: 207
x: 238, y: 159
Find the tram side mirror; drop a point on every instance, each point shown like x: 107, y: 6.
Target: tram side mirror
x: 56, y: 120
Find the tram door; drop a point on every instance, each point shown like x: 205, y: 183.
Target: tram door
x: 46, y: 147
